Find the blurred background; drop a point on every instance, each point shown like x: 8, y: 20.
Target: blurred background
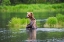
x: 49, y: 15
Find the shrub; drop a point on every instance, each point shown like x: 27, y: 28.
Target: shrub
x: 17, y: 23
x: 60, y: 18
x: 52, y: 21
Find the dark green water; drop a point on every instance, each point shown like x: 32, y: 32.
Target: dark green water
x: 43, y: 35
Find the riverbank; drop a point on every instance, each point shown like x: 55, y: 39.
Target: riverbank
x: 32, y: 7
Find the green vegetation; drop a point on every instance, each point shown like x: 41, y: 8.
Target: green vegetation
x: 57, y: 21
x: 13, y: 2
x: 33, y: 8
x: 16, y: 23
x: 52, y: 21
x: 41, y: 11
x: 60, y: 18
x: 5, y: 2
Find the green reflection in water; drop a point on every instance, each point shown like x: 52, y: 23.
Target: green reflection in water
x: 20, y: 35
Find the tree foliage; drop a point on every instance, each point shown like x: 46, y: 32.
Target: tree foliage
x: 5, y: 2
x: 13, y: 2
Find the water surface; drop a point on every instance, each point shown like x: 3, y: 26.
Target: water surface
x: 43, y: 35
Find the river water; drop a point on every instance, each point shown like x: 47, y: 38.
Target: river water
x: 43, y: 35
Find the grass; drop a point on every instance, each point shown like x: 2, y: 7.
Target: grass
x: 17, y: 23
x: 55, y: 22
x: 32, y: 7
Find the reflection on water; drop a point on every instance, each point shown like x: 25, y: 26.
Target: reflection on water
x: 43, y: 35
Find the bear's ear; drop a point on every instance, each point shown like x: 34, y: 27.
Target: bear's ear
x: 31, y: 14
